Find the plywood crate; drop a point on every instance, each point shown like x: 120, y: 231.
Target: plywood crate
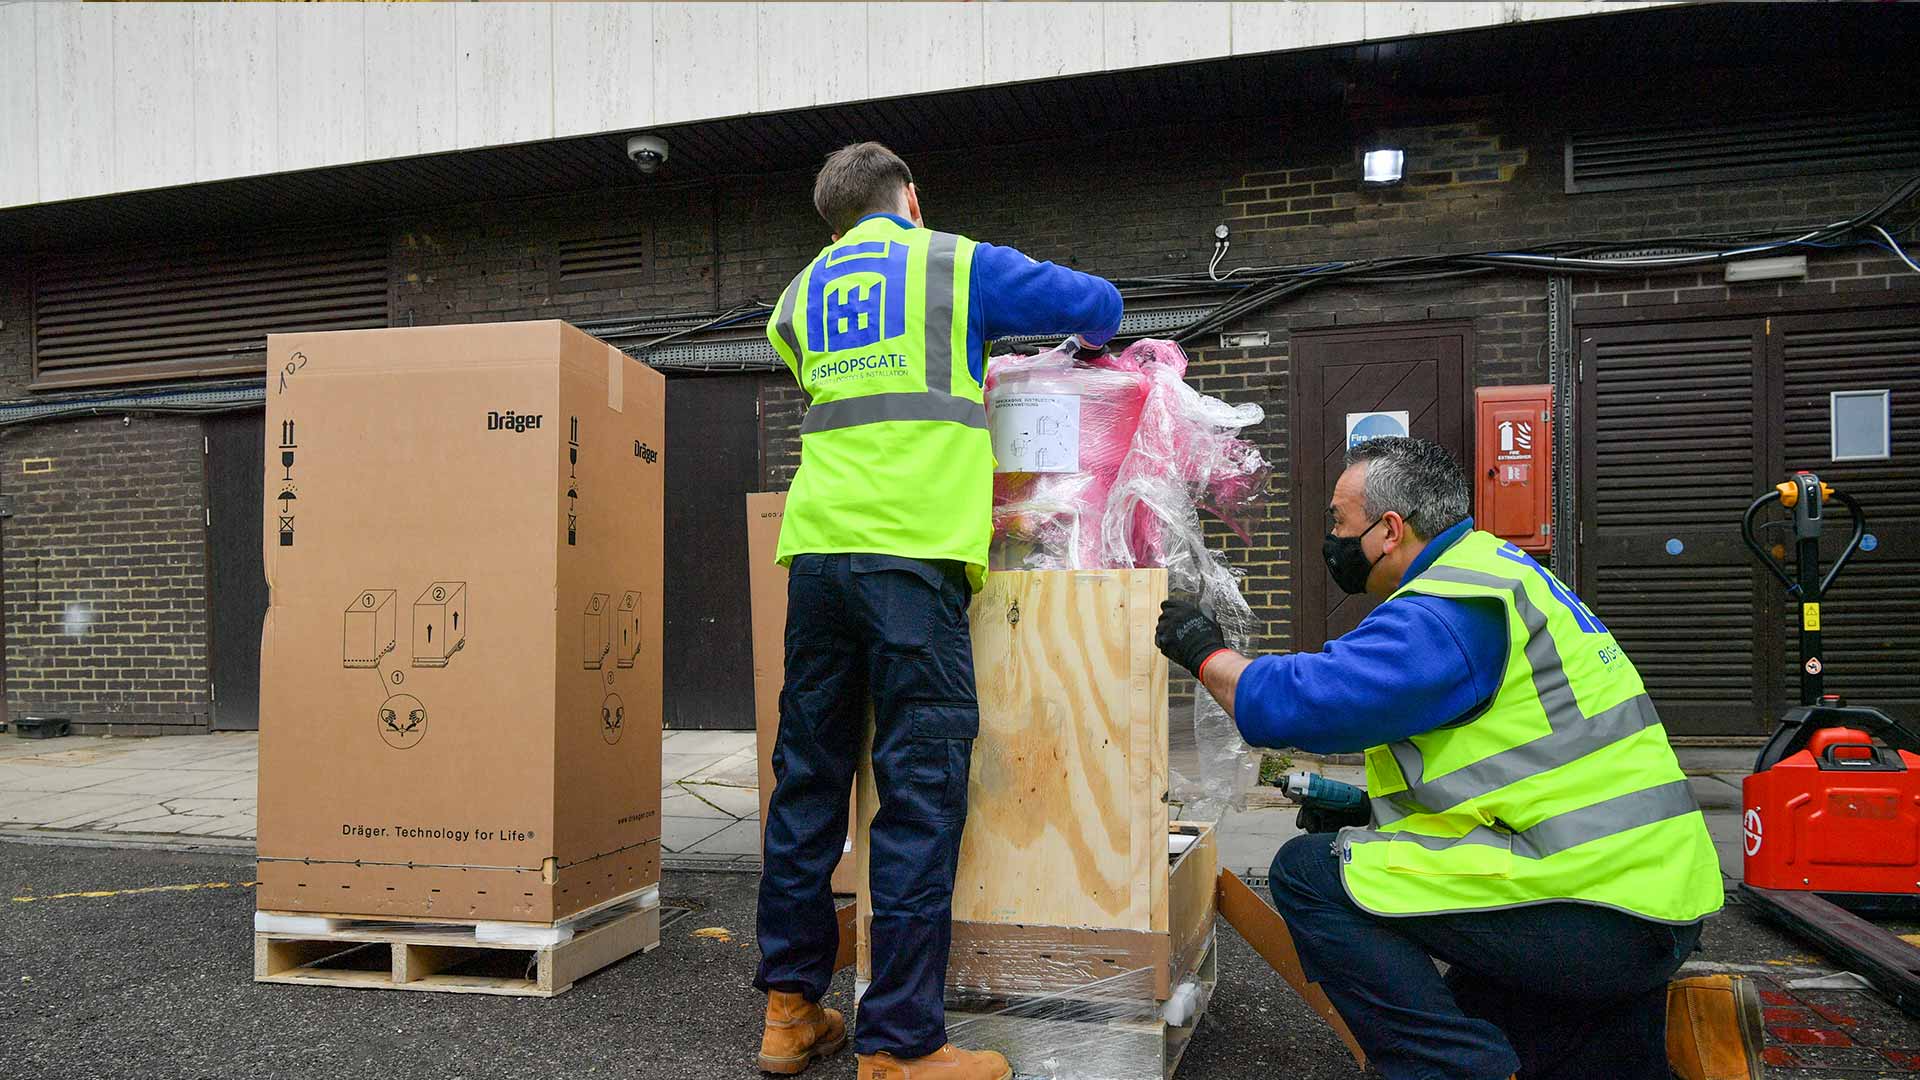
x: 1067, y: 889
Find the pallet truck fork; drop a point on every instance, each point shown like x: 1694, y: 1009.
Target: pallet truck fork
x: 1832, y: 822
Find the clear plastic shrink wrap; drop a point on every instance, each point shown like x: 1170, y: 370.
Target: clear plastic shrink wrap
x: 1105, y: 465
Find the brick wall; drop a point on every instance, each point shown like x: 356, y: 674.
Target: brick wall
x: 1134, y: 205
x: 105, y: 569
x: 104, y: 561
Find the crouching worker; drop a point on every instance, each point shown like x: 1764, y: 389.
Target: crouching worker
x: 1527, y: 821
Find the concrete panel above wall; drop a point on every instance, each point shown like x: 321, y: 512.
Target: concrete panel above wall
x: 1274, y: 27
x: 924, y: 47
x: 274, y: 88
x: 1043, y: 40
x: 410, y: 79
x: 74, y: 86
x: 153, y: 144
x: 705, y: 61
x: 320, y: 83
x: 812, y: 54
x: 233, y: 74
x: 503, y: 74
x: 19, y: 141
x: 603, y: 67
x: 1409, y: 19
x: 1141, y: 35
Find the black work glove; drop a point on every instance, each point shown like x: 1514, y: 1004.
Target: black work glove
x: 1186, y: 635
x: 1084, y: 352
x: 1319, y: 819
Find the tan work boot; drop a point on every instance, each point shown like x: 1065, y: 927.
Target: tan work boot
x: 799, y: 1033
x: 1713, y: 1028
x: 947, y: 1063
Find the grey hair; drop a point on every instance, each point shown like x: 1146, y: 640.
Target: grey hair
x: 1416, y: 479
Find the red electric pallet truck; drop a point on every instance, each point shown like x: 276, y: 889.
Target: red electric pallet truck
x: 1832, y: 821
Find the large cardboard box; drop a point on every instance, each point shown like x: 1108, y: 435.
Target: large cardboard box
x: 767, y: 587
x: 460, y: 668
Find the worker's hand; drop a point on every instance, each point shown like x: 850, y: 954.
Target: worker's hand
x: 1319, y: 819
x: 1187, y: 636
x: 1083, y: 351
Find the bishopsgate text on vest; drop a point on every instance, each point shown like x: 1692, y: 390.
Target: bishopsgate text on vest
x: 859, y: 366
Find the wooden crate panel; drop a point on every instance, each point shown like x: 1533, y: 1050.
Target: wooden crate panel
x: 1067, y: 816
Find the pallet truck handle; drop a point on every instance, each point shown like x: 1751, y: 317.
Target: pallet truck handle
x: 1749, y: 537
x: 1753, y: 542
x: 1853, y: 543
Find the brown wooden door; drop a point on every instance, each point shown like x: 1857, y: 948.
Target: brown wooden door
x: 1418, y: 368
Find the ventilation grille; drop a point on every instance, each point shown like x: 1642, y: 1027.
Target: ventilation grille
x: 1781, y: 145
x: 200, y: 310
x: 601, y: 256
x: 1689, y: 629
x: 1673, y: 440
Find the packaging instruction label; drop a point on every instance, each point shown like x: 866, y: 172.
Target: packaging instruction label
x: 1038, y: 433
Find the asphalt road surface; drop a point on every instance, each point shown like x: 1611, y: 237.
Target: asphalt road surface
x: 138, y: 963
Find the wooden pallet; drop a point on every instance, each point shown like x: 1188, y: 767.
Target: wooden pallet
x: 450, y: 957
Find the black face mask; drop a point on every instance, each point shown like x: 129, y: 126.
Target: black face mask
x: 1347, y: 561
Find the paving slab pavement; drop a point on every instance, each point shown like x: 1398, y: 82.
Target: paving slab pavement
x: 189, y: 785
x: 206, y: 786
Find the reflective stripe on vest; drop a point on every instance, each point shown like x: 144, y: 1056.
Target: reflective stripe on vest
x: 1569, y: 830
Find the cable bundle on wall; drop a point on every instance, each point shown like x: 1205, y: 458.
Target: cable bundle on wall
x: 1264, y: 286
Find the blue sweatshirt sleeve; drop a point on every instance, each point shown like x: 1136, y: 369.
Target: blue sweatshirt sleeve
x: 1015, y: 295
x: 1413, y: 664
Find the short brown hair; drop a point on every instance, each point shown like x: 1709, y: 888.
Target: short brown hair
x: 858, y: 180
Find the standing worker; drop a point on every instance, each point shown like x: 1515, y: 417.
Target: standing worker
x: 1526, y: 820
x: 885, y: 539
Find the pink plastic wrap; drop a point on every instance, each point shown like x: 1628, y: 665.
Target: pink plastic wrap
x: 1118, y: 456
x: 1150, y: 448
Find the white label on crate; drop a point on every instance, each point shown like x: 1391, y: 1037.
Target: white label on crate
x: 1037, y: 433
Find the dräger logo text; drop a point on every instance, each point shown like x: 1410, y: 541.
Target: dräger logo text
x: 512, y: 421
x: 644, y: 452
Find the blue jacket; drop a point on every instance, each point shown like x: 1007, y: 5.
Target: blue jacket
x: 1012, y: 296
x: 1413, y: 664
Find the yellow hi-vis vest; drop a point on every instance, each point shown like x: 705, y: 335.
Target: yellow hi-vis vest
x: 1563, y: 788
x: 894, y: 453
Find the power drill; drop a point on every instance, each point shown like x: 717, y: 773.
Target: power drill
x: 1312, y: 789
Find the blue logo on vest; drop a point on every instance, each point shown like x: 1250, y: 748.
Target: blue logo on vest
x: 1582, y: 614
x: 857, y: 296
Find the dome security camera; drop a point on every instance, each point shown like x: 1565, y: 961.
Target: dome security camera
x: 647, y: 152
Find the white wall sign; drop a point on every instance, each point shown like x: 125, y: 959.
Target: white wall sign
x: 1362, y: 426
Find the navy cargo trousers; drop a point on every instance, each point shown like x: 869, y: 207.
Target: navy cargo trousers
x: 892, y: 631
x: 1557, y: 991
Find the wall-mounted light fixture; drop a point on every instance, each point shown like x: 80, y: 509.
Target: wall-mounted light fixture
x: 1382, y: 166
x: 1786, y: 266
